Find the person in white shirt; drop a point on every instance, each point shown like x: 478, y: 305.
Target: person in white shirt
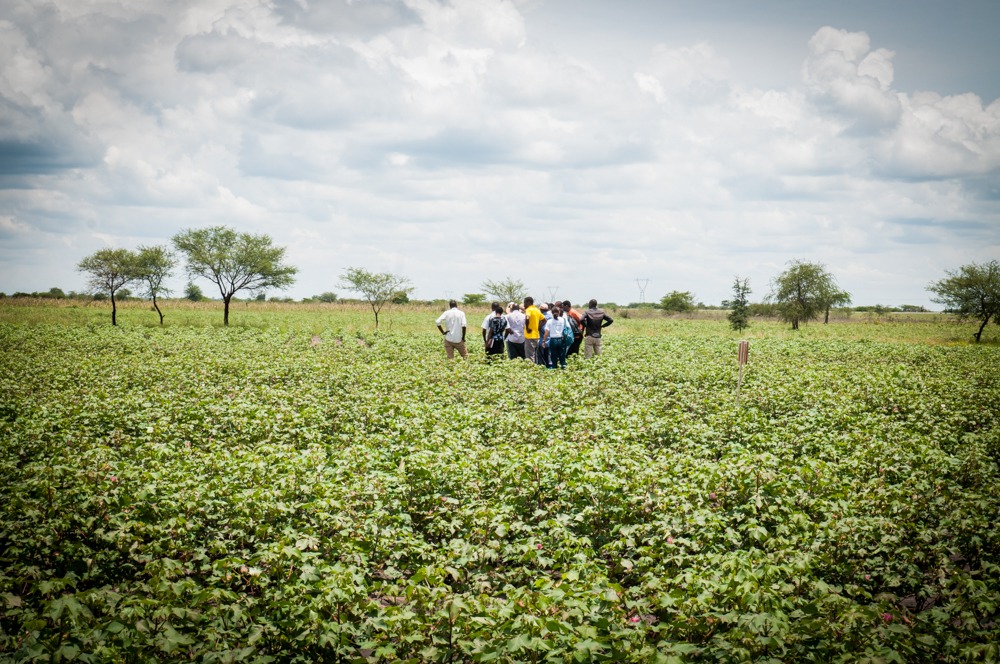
x: 554, y: 338
x: 515, y: 332
x: 453, y: 330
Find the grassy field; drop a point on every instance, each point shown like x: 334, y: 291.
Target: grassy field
x: 353, y: 318
x: 299, y: 488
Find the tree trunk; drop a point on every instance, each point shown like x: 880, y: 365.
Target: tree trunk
x: 157, y: 307
x: 225, y: 314
x: 982, y: 327
x: 826, y: 318
x: 114, y: 311
x: 795, y: 323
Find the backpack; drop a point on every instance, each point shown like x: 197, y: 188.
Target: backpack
x: 568, y: 332
x: 497, y: 325
x: 574, y: 328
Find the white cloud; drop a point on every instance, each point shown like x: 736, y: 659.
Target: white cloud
x: 944, y: 137
x: 472, y: 22
x: 414, y: 133
x: 651, y: 85
x: 842, y: 72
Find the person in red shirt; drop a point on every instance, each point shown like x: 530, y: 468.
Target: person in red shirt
x: 574, y: 348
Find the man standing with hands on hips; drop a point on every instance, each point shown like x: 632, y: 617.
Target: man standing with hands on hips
x: 453, y: 330
x: 594, y: 320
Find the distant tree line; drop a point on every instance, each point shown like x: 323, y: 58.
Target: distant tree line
x: 806, y: 291
x: 235, y: 262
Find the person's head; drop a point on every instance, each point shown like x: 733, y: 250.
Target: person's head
x: 544, y: 307
x: 592, y: 304
x: 566, y: 304
x: 528, y: 301
x: 511, y: 306
x: 556, y: 311
x: 452, y: 304
x: 496, y: 307
x: 514, y: 306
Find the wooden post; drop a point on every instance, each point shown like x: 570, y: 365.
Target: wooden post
x: 743, y: 357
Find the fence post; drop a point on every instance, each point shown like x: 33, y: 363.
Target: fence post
x: 743, y: 357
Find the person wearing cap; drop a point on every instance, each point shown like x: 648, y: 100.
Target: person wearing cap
x: 515, y: 332
x: 543, y: 347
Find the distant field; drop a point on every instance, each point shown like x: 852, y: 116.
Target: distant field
x: 419, y: 318
x: 299, y: 488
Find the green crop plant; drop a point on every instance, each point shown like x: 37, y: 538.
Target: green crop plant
x: 202, y: 493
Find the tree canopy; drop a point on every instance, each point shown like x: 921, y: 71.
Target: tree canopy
x: 153, y: 265
x: 739, y: 306
x: 234, y: 261
x: 805, y: 290
x: 109, y: 270
x: 505, y: 290
x: 377, y: 288
x: 972, y: 292
x: 192, y: 291
x: 677, y: 302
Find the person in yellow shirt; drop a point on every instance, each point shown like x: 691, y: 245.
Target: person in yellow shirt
x: 532, y: 326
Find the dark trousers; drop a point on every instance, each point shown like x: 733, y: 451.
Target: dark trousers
x: 574, y: 348
x: 515, y: 350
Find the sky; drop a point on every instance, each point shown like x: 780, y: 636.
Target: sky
x: 615, y: 150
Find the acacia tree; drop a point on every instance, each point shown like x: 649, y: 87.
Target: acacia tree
x: 152, y: 266
x: 234, y: 261
x: 109, y: 270
x: 505, y: 290
x: 739, y: 306
x: 803, y: 291
x: 377, y: 288
x: 972, y: 292
x: 834, y: 298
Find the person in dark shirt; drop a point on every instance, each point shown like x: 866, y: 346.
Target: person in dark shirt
x: 594, y: 320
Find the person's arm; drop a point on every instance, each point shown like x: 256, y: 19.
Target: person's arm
x: 607, y: 321
x: 442, y: 330
x: 463, y: 334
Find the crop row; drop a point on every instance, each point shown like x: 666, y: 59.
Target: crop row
x: 249, y: 495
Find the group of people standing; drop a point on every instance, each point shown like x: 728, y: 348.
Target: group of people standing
x: 544, y: 334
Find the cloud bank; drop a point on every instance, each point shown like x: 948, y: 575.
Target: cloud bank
x: 452, y: 143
